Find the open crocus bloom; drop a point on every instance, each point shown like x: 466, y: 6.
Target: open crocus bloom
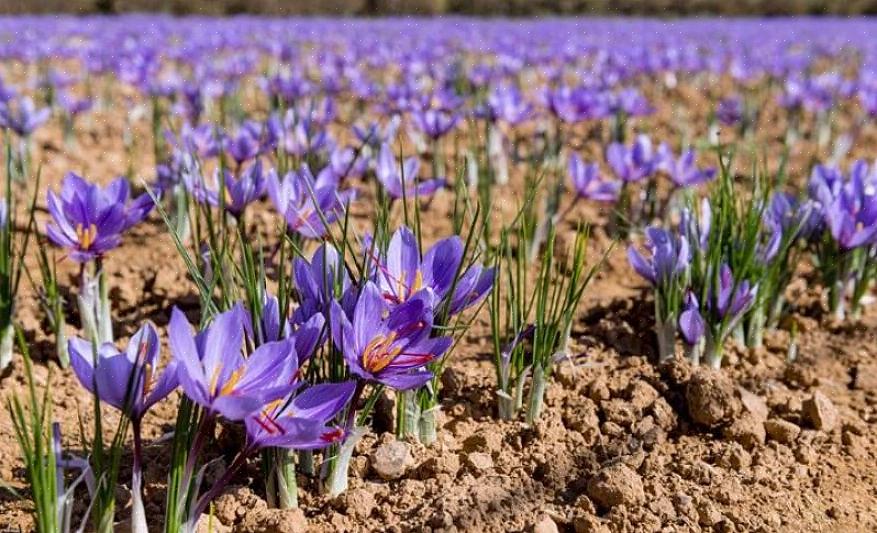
x: 89, y: 220
x: 402, y: 273
x: 300, y: 420
x: 127, y: 380
x: 389, y: 344
x: 215, y: 373
x: 308, y: 204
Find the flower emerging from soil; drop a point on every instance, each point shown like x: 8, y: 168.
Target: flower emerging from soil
x: 89, y: 220
x: 389, y: 344
x: 129, y: 380
x: 215, y: 372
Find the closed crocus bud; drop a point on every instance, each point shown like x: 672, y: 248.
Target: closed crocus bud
x: 691, y: 324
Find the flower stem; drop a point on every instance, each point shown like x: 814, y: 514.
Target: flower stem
x: 138, y: 513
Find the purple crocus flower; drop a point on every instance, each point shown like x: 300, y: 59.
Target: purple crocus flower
x: 89, y: 220
x: 696, y: 226
x: 317, y: 281
x: 245, y: 143
x: 435, y: 123
x: 691, y: 323
x: 300, y: 421
x: 670, y: 256
x: 505, y: 103
x: 127, y: 380
x: 215, y: 373
x: 240, y: 192
x: 634, y: 163
x: 730, y: 110
x: 402, y: 273
x: 346, y: 163
x: 388, y: 344
x: 852, y: 215
x: 74, y: 106
x: 22, y: 116
x: 308, y: 204
x: 684, y: 171
x: 405, y: 183
x: 733, y: 299
x: 588, y: 183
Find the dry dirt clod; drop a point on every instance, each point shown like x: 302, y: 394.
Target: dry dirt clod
x: 781, y: 430
x: 210, y: 524
x: 753, y: 404
x: 274, y: 521
x: 392, y: 459
x: 820, y: 412
x: 479, y: 461
x: 711, y: 398
x: 616, y: 485
x: 545, y: 525
x: 747, y: 430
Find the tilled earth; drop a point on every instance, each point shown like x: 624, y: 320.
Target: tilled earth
x: 623, y: 444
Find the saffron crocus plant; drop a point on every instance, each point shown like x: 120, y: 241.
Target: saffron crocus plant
x: 667, y: 271
x: 846, y: 242
x: 531, y: 326
x: 130, y: 382
x: 88, y: 221
x: 402, y: 273
x: 221, y: 372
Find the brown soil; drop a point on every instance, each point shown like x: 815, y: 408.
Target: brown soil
x: 623, y: 444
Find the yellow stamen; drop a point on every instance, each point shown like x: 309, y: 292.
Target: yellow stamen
x: 86, y: 237
x: 378, y: 353
x: 233, y: 380
x: 147, y: 379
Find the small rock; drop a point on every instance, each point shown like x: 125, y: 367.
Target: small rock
x: 359, y: 503
x: 747, y: 430
x: 707, y: 514
x: 479, y: 461
x: 820, y: 412
x: 616, y: 485
x: 545, y: 525
x: 392, y: 459
x: 677, y: 371
x: 800, y: 376
x: 753, y: 404
x: 711, y: 398
x: 781, y: 430
x: 589, y: 524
